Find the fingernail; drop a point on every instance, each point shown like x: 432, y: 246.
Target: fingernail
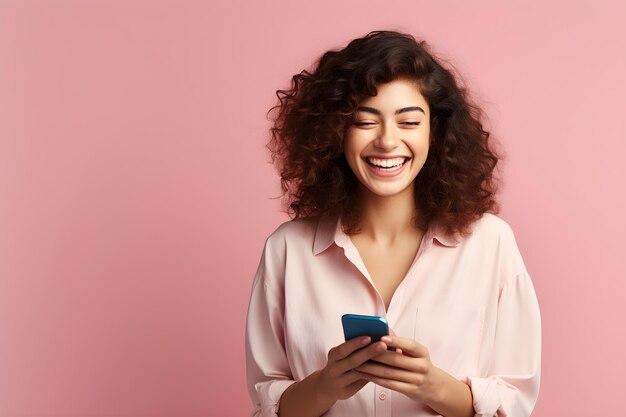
x: 386, y: 339
x: 366, y: 340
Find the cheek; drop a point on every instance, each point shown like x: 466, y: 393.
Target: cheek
x: 424, y: 148
x: 352, y: 162
x: 422, y: 144
x: 351, y: 149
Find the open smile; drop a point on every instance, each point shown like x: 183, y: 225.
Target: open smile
x: 386, y: 167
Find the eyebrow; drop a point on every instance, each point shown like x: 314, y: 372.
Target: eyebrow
x: 402, y: 110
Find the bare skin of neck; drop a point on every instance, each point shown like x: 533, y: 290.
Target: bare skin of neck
x: 388, y: 241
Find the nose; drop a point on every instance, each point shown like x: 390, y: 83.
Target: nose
x: 388, y: 138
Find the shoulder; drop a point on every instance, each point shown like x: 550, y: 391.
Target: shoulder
x: 492, y: 235
x: 290, y: 240
x: 293, y: 233
x: 293, y: 230
x: 491, y: 226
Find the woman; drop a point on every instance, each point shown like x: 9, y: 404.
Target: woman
x: 389, y: 175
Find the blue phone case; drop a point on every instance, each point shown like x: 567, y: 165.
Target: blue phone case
x: 355, y: 325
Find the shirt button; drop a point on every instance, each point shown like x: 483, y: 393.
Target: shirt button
x: 382, y: 396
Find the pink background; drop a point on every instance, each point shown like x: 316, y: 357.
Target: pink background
x: 136, y: 194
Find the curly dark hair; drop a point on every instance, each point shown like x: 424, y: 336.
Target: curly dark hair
x: 455, y: 186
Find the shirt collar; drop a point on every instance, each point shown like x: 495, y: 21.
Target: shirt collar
x: 325, y: 235
x: 440, y: 235
x: 330, y: 231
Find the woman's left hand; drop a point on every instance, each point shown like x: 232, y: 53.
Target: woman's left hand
x: 408, y: 369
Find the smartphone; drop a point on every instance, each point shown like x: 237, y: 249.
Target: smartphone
x: 355, y: 325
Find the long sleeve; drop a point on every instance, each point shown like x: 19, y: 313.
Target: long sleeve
x: 268, y: 371
x: 512, y: 385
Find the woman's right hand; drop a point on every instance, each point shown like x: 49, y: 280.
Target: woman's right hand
x: 316, y: 394
x: 337, y: 381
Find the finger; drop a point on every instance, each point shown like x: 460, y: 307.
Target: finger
x: 398, y: 386
x: 343, y: 350
x: 356, y: 386
x: 409, y: 363
x: 391, y: 373
x: 409, y: 346
x: 348, y: 378
x: 393, y: 333
x: 346, y: 391
x: 359, y: 357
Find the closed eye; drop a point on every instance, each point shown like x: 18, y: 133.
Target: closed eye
x: 374, y: 123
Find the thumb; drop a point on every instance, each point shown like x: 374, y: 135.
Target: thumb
x: 392, y: 333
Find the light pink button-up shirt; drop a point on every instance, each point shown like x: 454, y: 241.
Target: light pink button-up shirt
x: 469, y: 301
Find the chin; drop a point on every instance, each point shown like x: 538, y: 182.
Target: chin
x: 388, y: 192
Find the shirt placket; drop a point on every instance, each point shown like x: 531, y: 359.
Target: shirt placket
x: 352, y: 254
x: 394, y: 313
x: 383, y: 402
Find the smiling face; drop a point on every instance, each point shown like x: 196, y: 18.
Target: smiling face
x: 387, y: 144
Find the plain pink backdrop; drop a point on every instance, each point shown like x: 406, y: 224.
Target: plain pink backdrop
x: 136, y: 193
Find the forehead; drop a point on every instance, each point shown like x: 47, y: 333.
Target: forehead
x: 400, y: 92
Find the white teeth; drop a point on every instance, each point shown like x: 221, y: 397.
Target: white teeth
x: 386, y: 163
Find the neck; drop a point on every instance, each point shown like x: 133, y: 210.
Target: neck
x: 385, y: 219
